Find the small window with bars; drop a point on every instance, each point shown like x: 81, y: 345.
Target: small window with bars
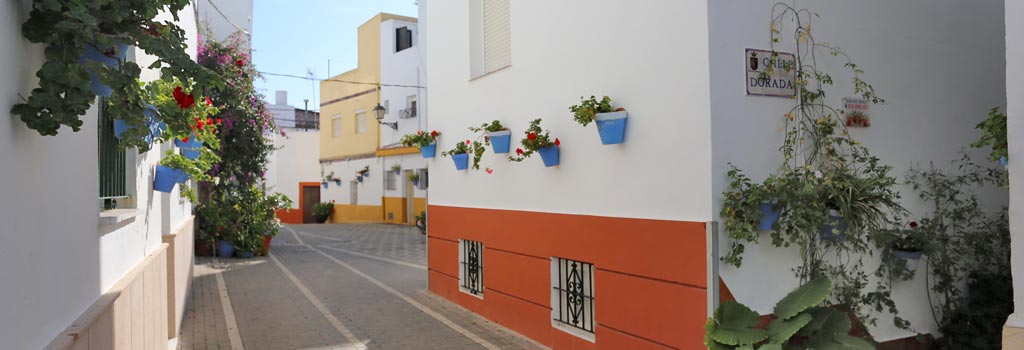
x: 390, y: 180
x: 424, y: 179
x: 471, y: 267
x: 112, y: 165
x: 572, y: 287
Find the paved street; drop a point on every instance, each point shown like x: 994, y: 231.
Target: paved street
x: 356, y: 286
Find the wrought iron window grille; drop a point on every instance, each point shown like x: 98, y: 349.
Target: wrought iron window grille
x: 575, y: 292
x: 472, y: 264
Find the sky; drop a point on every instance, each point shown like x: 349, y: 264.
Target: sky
x: 296, y: 36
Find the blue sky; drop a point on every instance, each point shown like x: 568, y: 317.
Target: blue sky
x: 293, y: 36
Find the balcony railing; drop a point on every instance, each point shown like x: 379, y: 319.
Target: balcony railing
x: 407, y: 113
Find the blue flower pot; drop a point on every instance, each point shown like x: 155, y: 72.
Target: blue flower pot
x: 428, y: 151
x: 338, y: 183
x: 359, y: 178
x: 461, y: 161
x: 500, y: 141
x: 91, y: 54
x: 119, y: 127
x: 191, y: 149
x: 156, y: 127
x: 325, y: 184
x: 549, y: 155
x: 225, y: 249
x: 366, y: 174
x: 769, y: 215
x: 244, y: 255
x: 611, y: 126
x: 1002, y: 161
x: 828, y: 231
x: 166, y: 178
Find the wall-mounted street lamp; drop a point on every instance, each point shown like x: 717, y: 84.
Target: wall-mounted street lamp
x: 378, y: 112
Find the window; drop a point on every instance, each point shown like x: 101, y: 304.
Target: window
x: 572, y: 298
x: 403, y: 39
x: 336, y: 126
x: 471, y: 267
x: 490, y: 37
x: 112, y: 165
x: 410, y: 108
x: 423, y: 179
x: 386, y: 108
x: 361, y: 122
x: 390, y: 180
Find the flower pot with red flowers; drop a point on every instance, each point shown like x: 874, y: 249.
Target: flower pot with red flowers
x: 427, y: 142
x: 496, y: 135
x: 537, y: 141
x: 460, y: 154
x: 908, y: 245
x: 611, y: 123
x: 337, y: 181
x: 365, y: 172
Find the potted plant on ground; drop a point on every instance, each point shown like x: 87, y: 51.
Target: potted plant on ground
x: 322, y: 211
x: 415, y: 178
x: 421, y: 222
x: 427, y: 142
x: 496, y: 135
x: 611, y: 123
x: 538, y: 141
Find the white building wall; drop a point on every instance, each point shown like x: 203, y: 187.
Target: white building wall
x: 650, y: 57
x: 399, y: 68
x: 225, y: 17
x: 368, y: 192
x: 938, y: 65
x: 297, y: 160
x: 57, y: 259
x: 1015, y: 136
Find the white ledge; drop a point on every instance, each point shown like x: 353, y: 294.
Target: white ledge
x: 116, y: 216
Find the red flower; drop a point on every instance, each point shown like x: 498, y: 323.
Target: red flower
x: 209, y: 102
x: 209, y: 121
x: 557, y: 143
x: 913, y: 224
x: 219, y: 120
x: 434, y: 133
x: 183, y: 101
x: 239, y: 63
x: 519, y: 151
x: 184, y: 139
x: 531, y: 136
x: 201, y: 125
x: 419, y: 132
x: 467, y: 142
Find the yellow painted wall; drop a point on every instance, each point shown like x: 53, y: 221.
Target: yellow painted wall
x: 419, y: 205
x: 368, y: 71
x: 347, y: 213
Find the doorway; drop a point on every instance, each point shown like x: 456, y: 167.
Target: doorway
x: 410, y: 198
x: 309, y: 196
x: 353, y: 193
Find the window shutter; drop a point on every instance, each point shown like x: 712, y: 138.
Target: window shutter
x: 497, y: 35
x: 403, y: 39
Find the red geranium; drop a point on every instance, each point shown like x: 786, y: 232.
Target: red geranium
x: 519, y: 151
x: 434, y: 133
x: 531, y: 136
x: 209, y: 102
x: 467, y: 142
x: 913, y: 224
x: 183, y: 101
x: 557, y: 143
x: 239, y: 63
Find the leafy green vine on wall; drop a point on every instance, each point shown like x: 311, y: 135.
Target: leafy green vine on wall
x: 830, y: 191
x: 69, y: 27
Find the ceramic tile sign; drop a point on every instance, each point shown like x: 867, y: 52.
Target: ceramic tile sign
x: 856, y: 111
x: 770, y: 74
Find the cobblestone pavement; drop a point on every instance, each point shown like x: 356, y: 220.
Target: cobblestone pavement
x: 339, y: 286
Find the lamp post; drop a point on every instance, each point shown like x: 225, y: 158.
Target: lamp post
x: 378, y: 112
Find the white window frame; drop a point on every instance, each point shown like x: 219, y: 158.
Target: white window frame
x: 361, y: 122
x: 463, y: 264
x: 478, y: 40
x: 337, y: 126
x: 390, y: 180
x: 557, y: 297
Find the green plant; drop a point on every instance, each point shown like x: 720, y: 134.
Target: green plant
x: 396, y: 168
x: 322, y: 211
x: 420, y: 139
x: 584, y: 112
x: 993, y: 134
x: 801, y: 321
x: 421, y: 222
x: 414, y: 176
x: 493, y: 126
x: 474, y: 147
x: 824, y: 172
x: 67, y: 27
x: 534, y: 141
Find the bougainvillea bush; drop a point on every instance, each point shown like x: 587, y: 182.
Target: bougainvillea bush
x: 245, y: 131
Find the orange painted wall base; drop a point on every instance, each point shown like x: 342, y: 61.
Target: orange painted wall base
x: 650, y: 278
x: 290, y: 216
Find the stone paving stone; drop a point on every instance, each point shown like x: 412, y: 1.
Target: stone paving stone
x: 272, y: 313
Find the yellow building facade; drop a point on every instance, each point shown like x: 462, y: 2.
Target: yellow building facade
x: 351, y: 137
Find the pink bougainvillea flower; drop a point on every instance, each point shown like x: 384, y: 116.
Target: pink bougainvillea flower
x: 519, y: 151
x: 531, y: 136
x: 557, y: 143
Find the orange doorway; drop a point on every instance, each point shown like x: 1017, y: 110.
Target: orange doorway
x: 309, y: 194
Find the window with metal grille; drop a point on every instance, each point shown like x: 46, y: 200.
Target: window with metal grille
x: 424, y: 178
x: 390, y: 180
x: 403, y: 39
x: 113, y: 169
x: 471, y: 267
x: 572, y: 284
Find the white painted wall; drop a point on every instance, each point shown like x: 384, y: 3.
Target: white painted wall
x: 1015, y: 135
x: 368, y: 192
x: 650, y: 57
x: 284, y: 113
x: 233, y: 15
x: 407, y: 162
x: 56, y: 259
x: 938, y: 64
x: 297, y: 160
x: 399, y: 68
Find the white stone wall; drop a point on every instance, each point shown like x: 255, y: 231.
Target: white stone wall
x: 1015, y: 136
x: 399, y: 68
x: 297, y: 160
x: 938, y: 64
x: 57, y: 259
